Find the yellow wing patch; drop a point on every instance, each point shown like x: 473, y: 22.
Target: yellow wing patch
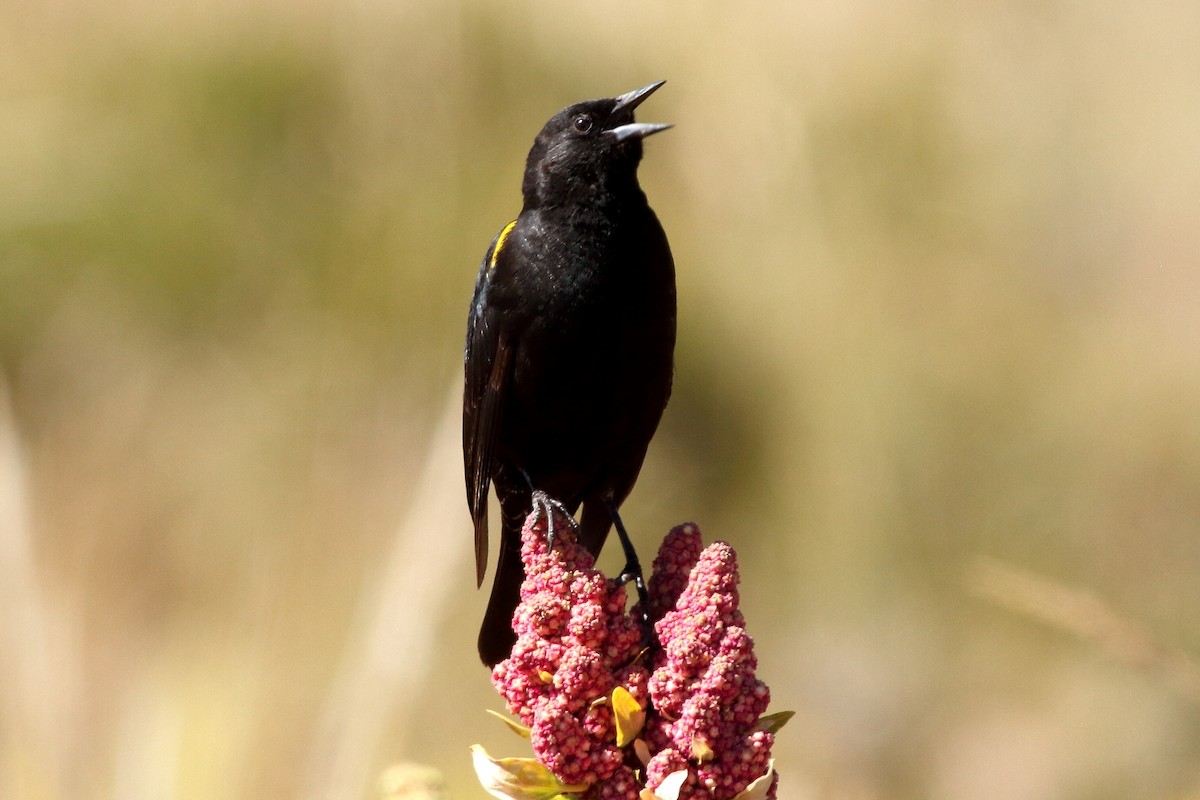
x: 500, y: 239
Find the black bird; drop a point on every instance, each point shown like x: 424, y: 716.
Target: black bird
x: 570, y: 343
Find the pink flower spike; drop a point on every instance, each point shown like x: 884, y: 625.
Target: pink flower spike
x: 684, y: 717
x: 676, y: 557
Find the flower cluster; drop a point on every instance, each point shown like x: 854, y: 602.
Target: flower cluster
x: 604, y: 723
x: 575, y: 645
x: 704, y: 691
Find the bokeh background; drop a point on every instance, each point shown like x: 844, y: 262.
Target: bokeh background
x: 938, y: 380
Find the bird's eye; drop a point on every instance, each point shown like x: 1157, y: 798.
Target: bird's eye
x: 583, y: 123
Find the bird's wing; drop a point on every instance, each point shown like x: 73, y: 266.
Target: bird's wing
x: 486, y: 359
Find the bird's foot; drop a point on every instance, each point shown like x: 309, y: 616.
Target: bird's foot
x: 545, y: 504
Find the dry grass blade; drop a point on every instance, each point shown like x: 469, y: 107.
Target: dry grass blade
x: 392, y: 653
x: 1085, y: 615
x: 33, y: 703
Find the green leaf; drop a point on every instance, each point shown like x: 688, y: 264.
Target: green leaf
x: 771, y: 723
x: 518, y: 778
x: 513, y: 725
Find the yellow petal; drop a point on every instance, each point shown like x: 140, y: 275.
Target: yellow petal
x: 629, y: 715
x: 513, y: 725
x: 642, y: 750
x: 758, y: 788
x: 517, y: 778
x: 701, y: 751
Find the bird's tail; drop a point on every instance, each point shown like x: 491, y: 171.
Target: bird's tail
x: 496, y: 637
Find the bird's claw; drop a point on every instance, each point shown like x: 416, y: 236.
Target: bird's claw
x: 545, y: 504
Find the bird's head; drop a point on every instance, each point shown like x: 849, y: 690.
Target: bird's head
x: 588, y: 148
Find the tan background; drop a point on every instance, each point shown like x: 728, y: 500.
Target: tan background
x: 939, y: 277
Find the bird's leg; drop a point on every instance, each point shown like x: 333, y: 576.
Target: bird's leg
x: 632, y: 571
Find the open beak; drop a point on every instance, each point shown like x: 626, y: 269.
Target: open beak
x: 627, y: 103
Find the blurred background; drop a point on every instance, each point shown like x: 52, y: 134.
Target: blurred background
x: 938, y: 381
